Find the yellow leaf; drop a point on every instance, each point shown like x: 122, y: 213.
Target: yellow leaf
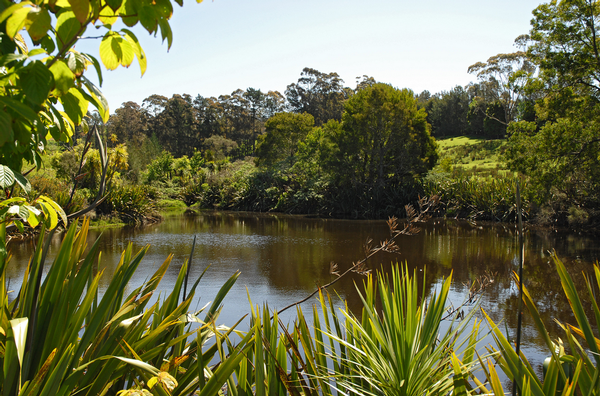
x: 108, y: 16
x: 16, y: 21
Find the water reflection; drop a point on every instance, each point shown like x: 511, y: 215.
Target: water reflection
x: 283, y: 258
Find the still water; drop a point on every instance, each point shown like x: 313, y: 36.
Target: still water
x: 284, y: 258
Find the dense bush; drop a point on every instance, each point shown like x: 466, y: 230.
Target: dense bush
x: 133, y: 204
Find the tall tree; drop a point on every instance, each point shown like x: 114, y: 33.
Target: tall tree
x: 504, y: 76
x: 284, y: 131
x: 209, y: 113
x: 128, y: 123
x: 447, y: 112
x: 178, y: 131
x: 318, y: 94
x: 560, y: 150
x: 564, y: 37
x: 384, y: 138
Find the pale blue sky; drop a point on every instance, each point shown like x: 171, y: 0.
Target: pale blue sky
x: 222, y: 45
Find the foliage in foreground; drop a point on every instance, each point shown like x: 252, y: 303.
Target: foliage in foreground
x: 58, y: 336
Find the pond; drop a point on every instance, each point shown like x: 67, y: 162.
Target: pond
x: 283, y: 258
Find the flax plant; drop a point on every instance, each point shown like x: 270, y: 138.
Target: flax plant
x: 574, y: 373
x: 59, y: 337
x: 402, y: 348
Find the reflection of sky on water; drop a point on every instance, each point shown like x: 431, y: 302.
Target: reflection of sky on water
x: 284, y: 258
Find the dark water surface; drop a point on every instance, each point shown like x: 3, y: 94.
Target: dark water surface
x: 284, y: 258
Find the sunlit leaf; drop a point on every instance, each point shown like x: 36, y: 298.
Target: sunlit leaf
x: 59, y: 211
x: 115, y: 51
x: 19, y: 327
x: 109, y: 58
x: 75, y: 105
x: 67, y: 28
x: 12, y: 9
x: 34, y: 216
x: 38, y: 22
x: 63, y: 77
x: 137, y: 48
x: 51, y: 217
x: 16, y: 21
x: 108, y: 16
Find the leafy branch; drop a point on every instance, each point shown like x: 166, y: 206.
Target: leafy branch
x: 426, y: 205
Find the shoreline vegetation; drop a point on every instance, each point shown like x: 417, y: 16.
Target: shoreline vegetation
x: 470, y: 180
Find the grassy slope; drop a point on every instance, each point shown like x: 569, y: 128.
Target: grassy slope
x: 472, y: 154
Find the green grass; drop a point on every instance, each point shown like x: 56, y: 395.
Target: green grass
x: 457, y: 141
x: 472, y: 154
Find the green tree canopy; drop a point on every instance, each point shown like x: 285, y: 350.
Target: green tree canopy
x: 318, y: 94
x: 384, y: 138
x: 284, y: 131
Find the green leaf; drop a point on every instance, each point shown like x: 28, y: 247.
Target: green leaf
x: 37, y: 82
x: 6, y: 128
x: 7, y: 177
x: 137, y: 49
x: 129, y: 12
x: 114, y: 4
x: 48, y: 44
x: 6, y: 59
x: 75, y: 105
x: 19, y: 108
x: 67, y: 28
x: 81, y: 8
x: 148, y: 18
x: 164, y: 8
x: 38, y: 23
x: 63, y: 77
x: 97, y: 67
x: 16, y: 21
x: 139, y: 364
x: 97, y: 99
x: 77, y: 63
x: 165, y: 32
x: 22, y: 182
